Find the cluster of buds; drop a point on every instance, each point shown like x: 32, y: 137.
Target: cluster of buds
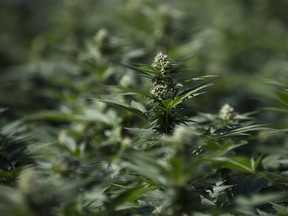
x: 163, y: 89
x: 163, y: 85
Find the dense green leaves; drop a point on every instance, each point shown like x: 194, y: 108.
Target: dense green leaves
x: 99, y: 118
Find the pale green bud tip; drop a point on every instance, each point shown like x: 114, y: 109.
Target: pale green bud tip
x: 28, y: 181
x: 181, y: 134
x: 158, y: 210
x: 226, y: 112
x: 126, y: 81
x: 162, y: 63
x: 102, y: 36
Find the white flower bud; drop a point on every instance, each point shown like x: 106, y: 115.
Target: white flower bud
x: 126, y: 81
x: 181, y: 134
x: 226, y: 112
x: 162, y: 63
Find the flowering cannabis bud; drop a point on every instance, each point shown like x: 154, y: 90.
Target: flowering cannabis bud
x: 181, y: 134
x: 163, y: 85
x: 226, y: 112
x: 162, y: 63
x: 29, y: 182
x: 103, y: 43
x: 37, y: 192
x: 126, y: 81
x: 102, y: 37
x: 163, y: 89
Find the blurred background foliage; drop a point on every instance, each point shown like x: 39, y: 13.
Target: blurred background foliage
x: 56, y: 56
x: 45, y: 43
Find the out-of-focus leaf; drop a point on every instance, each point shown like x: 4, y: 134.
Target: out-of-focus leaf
x: 185, y: 94
x: 238, y: 163
x: 129, y: 195
x: 152, y: 169
x: 139, y: 92
x: 138, y: 69
x: 281, y: 209
x: 12, y: 203
x: 245, y: 204
x: 138, y: 106
x: 126, y: 107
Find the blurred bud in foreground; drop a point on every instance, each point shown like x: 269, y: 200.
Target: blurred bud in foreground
x: 226, y: 112
x: 37, y: 192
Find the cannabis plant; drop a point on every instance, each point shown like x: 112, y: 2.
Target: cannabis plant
x: 166, y: 96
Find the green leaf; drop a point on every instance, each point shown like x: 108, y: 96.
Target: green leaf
x: 139, y: 70
x: 242, y: 164
x: 150, y: 69
x: 126, y: 107
x: 201, y: 79
x: 3, y: 110
x: 87, y: 116
x: 238, y: 131
x: 128, y: 195
x: 139, y: 92
x: 281, y: 210
x: 178, y: 171
x: 247, y: 203
x: 283, y: 96
x: 167, y: 103
x: 147, y: 165
x: 138, y: 106
x: 53, y: 116
x: 226, y: 147
x: 189, y: 92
